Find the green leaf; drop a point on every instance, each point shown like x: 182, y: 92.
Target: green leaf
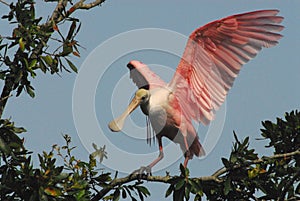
x: 195, y: 186
x: 62, y: 176
x: 19, y: 129
x: 180, y: 184
x: 175, y: 179
x: 72, y: 66
x: 197, y: 197
x: 15, y: 145
x: 52, y: 191
x: 116, y: 195
x: 18, y: 76
x: 140, y: 195
x: 235, y: 137
x: 268, y: 125
x: 4, y: 147
x: 178, y: 195
x: 32, y: 73
x: 187, y: 191
x: 182, y: 169
x: 71, y: 30
x: 103, y: 177
x: 225, y: 162
x: 26, y: 63
x: 169, y: 190
x: 144, y: 190
x: 67, y: 49
x: 48, y: 59
x: 42, y: 66
x: 128, y: 191
x: 32, y: 63
x: 2, y: 75
x: 80, y: 184
x: 233, y: 158
x: 21, y: 44
x: 124, y: 195
x: 30, y: 91
x: 245, y: 143
x: 80, y: 194
x: 252, y: 173
x: 227, y: 186
x: 187, y: 172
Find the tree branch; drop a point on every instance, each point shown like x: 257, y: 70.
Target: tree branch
x: 137, y: 177
x: 56, y: 15
x: 7, y: 88
x: 167, y: 179
x: 257, y: 161
x: 4, y: 2
x: 81, y: 5
x: 92, y: 4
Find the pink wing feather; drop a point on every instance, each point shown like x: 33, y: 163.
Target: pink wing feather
x: 214, y: 56
x: 143, y: 77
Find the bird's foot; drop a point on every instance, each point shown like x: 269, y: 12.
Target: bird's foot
x: 143, y: 170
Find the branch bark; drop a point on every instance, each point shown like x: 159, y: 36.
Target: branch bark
x: 82, y: 5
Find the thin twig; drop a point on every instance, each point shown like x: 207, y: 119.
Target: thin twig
x: 6, y: 97
x: 4, y: 2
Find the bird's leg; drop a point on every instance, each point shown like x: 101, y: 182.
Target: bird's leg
x: 160, y: 156
x: 186, y: 158
x: 187, y: 154
x: 148, y: 168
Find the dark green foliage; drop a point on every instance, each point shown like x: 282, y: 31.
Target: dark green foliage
x: 26, y: 50
x: 73, y: 181
x: 284, y: 135
x: 244, y: 173
x: 10, y: 143
x: 132, y: 191
x: 182, y: 186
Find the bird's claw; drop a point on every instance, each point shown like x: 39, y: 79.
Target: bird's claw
x: 146, y: 169
x: 143, y: 170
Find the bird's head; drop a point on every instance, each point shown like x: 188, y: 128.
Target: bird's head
x: 141, y: 97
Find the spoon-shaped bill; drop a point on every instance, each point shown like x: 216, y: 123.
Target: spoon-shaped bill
x: 117, y: 124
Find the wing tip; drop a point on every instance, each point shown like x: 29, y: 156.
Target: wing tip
x: 134, y: 64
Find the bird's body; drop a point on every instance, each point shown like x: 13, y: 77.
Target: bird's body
x: 212, y: 59
x: 165, y: 115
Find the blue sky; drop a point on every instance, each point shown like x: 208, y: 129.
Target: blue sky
x: 266, y: 88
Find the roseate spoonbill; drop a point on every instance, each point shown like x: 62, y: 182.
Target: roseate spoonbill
x: 212, y: 59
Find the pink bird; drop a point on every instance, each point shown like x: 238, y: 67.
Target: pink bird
x: 212, y: 59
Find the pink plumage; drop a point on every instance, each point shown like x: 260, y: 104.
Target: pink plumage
x: 212, y: 59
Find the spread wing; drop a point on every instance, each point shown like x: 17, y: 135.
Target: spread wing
x: 214, y: 56
x: 143, y: 77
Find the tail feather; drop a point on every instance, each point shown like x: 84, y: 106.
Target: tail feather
x: 196, y: 148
